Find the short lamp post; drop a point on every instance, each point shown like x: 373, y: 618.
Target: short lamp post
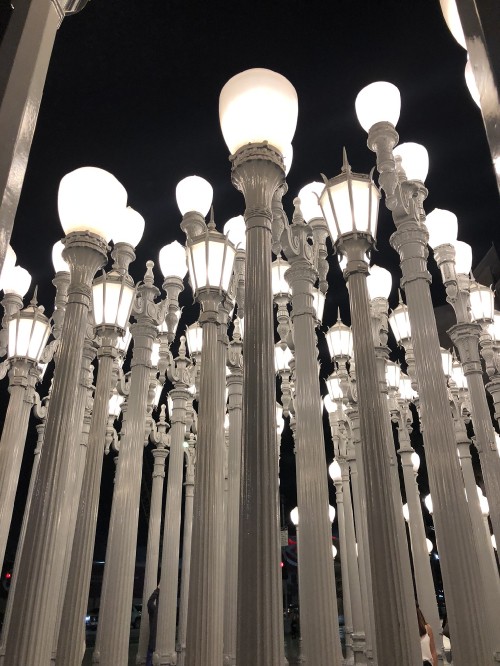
x: 28, y: 333
x: 401, y: 178
x: 350, y: 206
x: 210, y: 262
x: 258, y: 113
x: 112, y: 299
x: 88, y: 199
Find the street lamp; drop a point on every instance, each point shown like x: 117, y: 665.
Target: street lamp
x: 258, y: 114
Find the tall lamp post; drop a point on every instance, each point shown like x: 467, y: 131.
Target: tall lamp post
x: 88, y: 200
x: 210, y: 263
x: 378, y: 108
x: 258, y: 114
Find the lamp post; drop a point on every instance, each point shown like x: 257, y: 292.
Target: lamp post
x: 378, y: 112
x: 88, y: 198
x: 210, y: 263
x: 350, y: 206
x: 454, y: 259
x: 321, y: 642
x: 15, y: 284
x: 112, y: 298
x: 258, y: 112
x: 28, y: 333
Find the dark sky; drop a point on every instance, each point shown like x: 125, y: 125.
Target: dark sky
x: 133, y: 87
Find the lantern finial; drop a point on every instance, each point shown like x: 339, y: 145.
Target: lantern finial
x: 148, y: 276
x: 346, y: 167
x: 211, y: 224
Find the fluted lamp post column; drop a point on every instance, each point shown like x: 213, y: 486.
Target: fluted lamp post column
x: 350, y: 207
x: 112, y: 299
x: 378, y: 108
x: 210, y: 263
x: 258, y: 113
x: 321, y: 642
x: 28, y: 333
x: 88, y: 199
x: 454, y: 259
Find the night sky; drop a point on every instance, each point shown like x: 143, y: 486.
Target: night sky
x: 133, y: 88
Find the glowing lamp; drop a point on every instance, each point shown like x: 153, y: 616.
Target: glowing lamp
x: 447, y: 361
x: 309, y: 204
x: 414, y: 160
x: 294, y: 516
x: 28, y: 333
x: 282, y: 358
x: 392, y: 375
x: 235, y: 230
x: 379, y: 283
x: 406, y: 513
x: 442, y: 226
x: 172, y: 260
x: 399, y: 322
x: 60, y: 265
x: 112, y: 299
x: 378, y: 102
x: 16, y: 281
x: 194, y: 194
x: 210, y: 260
x: 194, y: 338
x: 128, y: 227
x: 279, y: 284
x: 339, y: 340
x: 335, y: 472
x: 463, y: 257
x: 481, y: 303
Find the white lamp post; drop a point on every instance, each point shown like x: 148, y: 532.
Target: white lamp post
x: 88, y: 199
x: 210, y: 262
x: 350, y: 206
x: 378, y: 114
x: 258, y: 113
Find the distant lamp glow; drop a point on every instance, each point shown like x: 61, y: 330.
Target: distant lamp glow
x: 452, y: 18
x: 334, y: 551
x: 428, y: 504
x: 414, y: 160
x: 481, y: 303
x: 210, y: 259
x: 89, y: 199
x: 405, y: 390
x: 379, y: 283
x: 470, y: 81
x: 60, y: 266
x: 485, y: 507
x: 330, y: 406
x: 128, y: 227
x: 172, y: 260
x: 294, y: 516
x: 334, y: 388
x: 399, y: 322
x: 463, y: 257
x: 331, y: 513
x: 282, y: 358
x: 378, y: 102
x: 309, y: 204
x: 17, y: 281
x: 415, y: 461
x: 194, y: 338
x: 494, y: 541
x: 335, y: 471
x: 430, y: 546
x: 235, y: 230
x: 319, y: 299
x: 339, y: 340
x: 278, y: 270
x: 155, y: 354
x: 258, y: 105
x: 458, y: 376
x: 28, y: 333
x: 442, y: 226
x: 8, y: 263
x: 447, y: 361
x: 115, y: 405
x: 349, y: 203
x: 406, y: 513
x: 392, y: 375
x: 288, y: 158
x: 279, y: 419
x: 158, y: 390
x: 194, y: 194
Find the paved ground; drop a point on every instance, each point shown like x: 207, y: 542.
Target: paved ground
x: 291, y: 648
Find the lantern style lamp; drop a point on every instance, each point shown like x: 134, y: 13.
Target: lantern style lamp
x: 194, y: 338
x: 334, y: 388
x: 481, y: 303
x: 458, y: 376
x: 339, y: 340
x: 414, y: 160
x: 280, y: 285
x: 393, y: 375
x: 282, y: 358
x: 112, y: 299
x: 406, y: 392
x: 335, y: 472
x: 447, y: 360
x: 399, y: 321
x: 29, y: 330
x: 319, y: 299
x: 378, y: 102
x: 210, y: 261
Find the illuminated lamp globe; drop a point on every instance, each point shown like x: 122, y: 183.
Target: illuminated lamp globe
x: 89, y: 199
x: 481, y: 303
x: 335, y: 472
x: 17, y: 281
x: 210, y: 258
x: 414, y: 160
x: 156, y: 399
x: 494, y: 541
x: 405, y: 390
x: 392, y: 375
x: 115, y: 405
x: 258, y: 105
x: 128, y: 227
x: 319, y: 300
x: 442, y: 226
x: 458, y: 376
x: 399, y: 322
x: 170, y: 405
x: 172, y: 260
x: 406, y: 513
x: 29, y: 330
x: 428, y: 504
x: 155, y: 354
x: 415, y: 461
x: 282, y: 358
x: 8, y: 263
x: 447, y: 361
x: 485, y: 507
x: 330, y: 406
x: 194, y: 194
x: 379, y: 283
x: 339, y: 340
x: 334, y: 388
x: 60, y: 265
x: 294, y: 516
x: 279, y: 419
x: 463, y: 257
x: 331, y: 513
x: 334, y: 551
x: 278, y: 269
x: 288, y: 158
x: 194, y: 338
x: 452, y: 18
x: 235, y: 230
x: 309, y: 201
x: 378, y: 102
x: 430, y: 545
x: 470, y: 81
x: 350, y: 203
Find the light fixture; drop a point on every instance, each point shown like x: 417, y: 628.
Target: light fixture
x: 339, y: 340
x: 115, y: 405
x: 481, y: 303
x: 399, y: 322
x: 235, y: 230
x: 414, y: 160
x: 194, y: 194
x: 442, y: 226
x: 457, y: 375
x: 128, y: 227
x: 378, y: 102
x: 405, y: 390
x: 331, y: 513
x: 89, y: 199
x: 470, y: 81
x: 349, y: 203
x: 29, y: 330
x: 194, y: 338
x: 279, y: 285
x: 309, y: 204
x: 319, y: 299
x: 415, y: 461
x: 294, y: 516
x: 282, y: 358
x: 334, y: 388
x: 210, y: 260
x: 334, y: 551
x: 172, y: 260
x: 258, y: 105
x: 406, y: 513
x: 155, y: 354
x: 16, y: 281
x: 379, y: 283
x: 335, y: 472
x: 8, y: 264
x: 112, y: 299
x: 452, y: 18
x: 447, y: 361
x: 393, y: 375
x: 430, y: 545
x: 463, y: 257
x: 60, y: 265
